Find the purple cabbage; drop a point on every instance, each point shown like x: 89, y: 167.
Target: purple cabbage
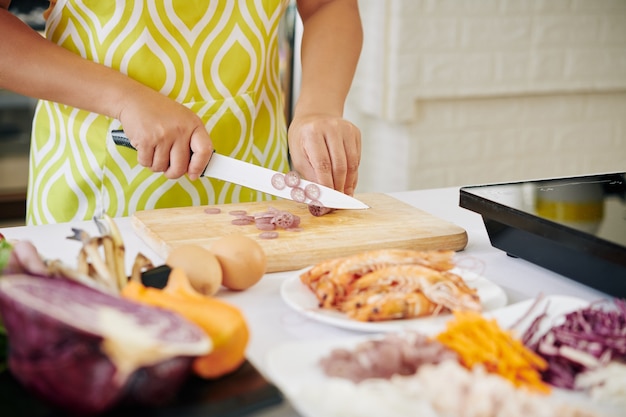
x: 84, y: 351
x: 588, y: 338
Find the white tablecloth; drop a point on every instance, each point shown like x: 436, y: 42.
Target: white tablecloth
x: 272, y: 322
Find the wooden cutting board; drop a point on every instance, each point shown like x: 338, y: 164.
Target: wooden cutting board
x: 388, y: 223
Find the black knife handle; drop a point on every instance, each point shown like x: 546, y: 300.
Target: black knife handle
x: 156, y: 277
x: 120, y: 139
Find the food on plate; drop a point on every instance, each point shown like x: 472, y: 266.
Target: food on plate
x: 242, y: 259
x: 84, y: 350
x: 489, y: 372
x: 389, y: 284
x: 222, y: 322
x: 406, y: 291
x: 472, y: 368
x: 584, y: 341
x: 200, y: 265
x: 439, y: 390
x: 606, y: 383
x: 329, y: 279
x: 482, y: 342
x: 392, y: 354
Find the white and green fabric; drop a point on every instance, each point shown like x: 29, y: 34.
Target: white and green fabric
x: 218, y: 57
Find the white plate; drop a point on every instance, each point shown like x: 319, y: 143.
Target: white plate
x: 299, y: 297
x: 294, y: 368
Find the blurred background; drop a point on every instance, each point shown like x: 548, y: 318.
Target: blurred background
x: 447, y: 93
x: 16, y: 113
x: 460, y: 92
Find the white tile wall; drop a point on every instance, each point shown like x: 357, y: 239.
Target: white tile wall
x: 453, y: 92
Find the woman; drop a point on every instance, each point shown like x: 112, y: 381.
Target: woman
x: 182, y: 78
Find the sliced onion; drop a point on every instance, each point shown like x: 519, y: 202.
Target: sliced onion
x: 317, y: 209
x: 212, y: 210
x: 263, y: 220
x: 278, y: 181
x: 266, y: 226
x: 298, y: 194
x: 292, y: 179
x: 295, y: 222
x: 241, y: 221
x: 268, y: 235
x: 284, y: 219
x: 265, y: 215
x: 237, y: 212
x: 312, y: 191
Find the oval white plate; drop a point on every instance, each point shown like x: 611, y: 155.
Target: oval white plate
x: 299, y: 297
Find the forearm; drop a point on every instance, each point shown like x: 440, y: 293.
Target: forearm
x: 33, y: 66
x: 331, y: 45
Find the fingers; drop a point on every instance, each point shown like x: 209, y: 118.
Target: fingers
x: 145, y: 154
x: 338, y: 162
x: 178, y: 160
x: 157, y: 156
x: 165, y: 134
x: 328, y: 151
x: 202, y: 149
x: 161, y: 158
x: 353, y: 160
x: 176, y: 157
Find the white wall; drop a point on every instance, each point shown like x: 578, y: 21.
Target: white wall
x: 458, y: 92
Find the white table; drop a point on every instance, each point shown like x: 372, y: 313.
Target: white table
x: 272, y: 322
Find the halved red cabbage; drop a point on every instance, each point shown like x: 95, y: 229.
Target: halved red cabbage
x: 587, y: 339
x: 85, y: 351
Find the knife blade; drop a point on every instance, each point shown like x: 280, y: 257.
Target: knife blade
x: 259, y: 178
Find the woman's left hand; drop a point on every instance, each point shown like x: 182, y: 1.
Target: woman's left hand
x: 326, y: 149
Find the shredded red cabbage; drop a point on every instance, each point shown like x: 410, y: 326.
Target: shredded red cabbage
x: 587, y: 339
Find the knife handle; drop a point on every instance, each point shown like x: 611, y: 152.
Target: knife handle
x: 120, y: 139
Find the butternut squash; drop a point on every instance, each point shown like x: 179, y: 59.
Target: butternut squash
x: 223, y: 322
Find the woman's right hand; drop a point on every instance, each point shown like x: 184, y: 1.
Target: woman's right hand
x: 169, y: 137
x: 163, y: 131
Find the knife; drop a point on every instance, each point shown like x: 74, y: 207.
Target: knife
x: 260, y: 178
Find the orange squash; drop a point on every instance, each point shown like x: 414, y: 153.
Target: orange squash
x: 223, y: 322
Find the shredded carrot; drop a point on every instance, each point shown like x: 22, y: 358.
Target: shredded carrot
x: 479, y: 341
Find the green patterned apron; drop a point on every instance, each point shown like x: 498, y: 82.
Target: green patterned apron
x: 218, y: 57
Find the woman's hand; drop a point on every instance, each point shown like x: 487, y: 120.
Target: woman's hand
x: 169, y: 137
x: 163, y: 131
x: 326, y: 149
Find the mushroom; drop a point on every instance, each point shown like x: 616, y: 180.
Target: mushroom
x: 102, y: 258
